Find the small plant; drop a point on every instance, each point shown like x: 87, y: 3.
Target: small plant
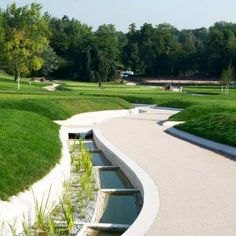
x: 226, y: 78
x: 52, y: 227
x: 42, y: 212
x: 84, y: 182
x: 27, y: 230
x: 67, y: 185
x: 67, y: 210
x: 13, y: 228
x: 1, y: 228
x: 90, y: 191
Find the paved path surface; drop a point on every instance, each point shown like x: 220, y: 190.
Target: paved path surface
x: 197, y: 187
x: 52, y: 87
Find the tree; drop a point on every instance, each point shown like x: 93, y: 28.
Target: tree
x: 71, y: 40
x: 226, y: 78
x: 50, y: 62
x: 26, y: 38
x: 108, y: 52
x: 221, y: 46
x: 188, y: 50
x: 131, y: 50
x: 166, y: 47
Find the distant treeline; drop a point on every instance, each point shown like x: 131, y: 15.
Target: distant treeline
x: 67, y: 48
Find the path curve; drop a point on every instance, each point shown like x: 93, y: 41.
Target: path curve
x: 51, y: 87
x: 197, y: 186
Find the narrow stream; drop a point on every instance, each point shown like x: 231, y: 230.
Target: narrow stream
x: 123, y: 204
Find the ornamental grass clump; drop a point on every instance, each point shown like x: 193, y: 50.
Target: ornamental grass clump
x: 78, y: 191
x: 43, y: 211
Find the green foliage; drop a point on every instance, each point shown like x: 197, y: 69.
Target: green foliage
x: 27, y: 230
x: 26, y: 38
x: 69, y: 49
x: 226, y: 78
x: 42, y: 212
x: 52, y: 227
x: 50, y: 62
x: 68, y: 214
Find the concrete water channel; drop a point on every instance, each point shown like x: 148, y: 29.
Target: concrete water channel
x: 120, y: 203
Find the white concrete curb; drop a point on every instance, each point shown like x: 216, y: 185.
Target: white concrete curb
x: 91, y: 118
x: 140, y: 179
x: 22, y: 205
x: 171, y: 123
x: 222, y: 148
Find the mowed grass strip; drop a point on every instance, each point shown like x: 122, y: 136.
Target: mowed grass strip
x: 217, y: 127
x: 29, y: 148
x: 196, y: 112
x: 63, y: 108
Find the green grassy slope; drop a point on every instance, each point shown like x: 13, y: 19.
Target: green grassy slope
x: 63, y: 108
x: 26, y: 155
x: 218, y: 127
x: 29, y: 140
x: 196, y: 112
x: 29, y: 148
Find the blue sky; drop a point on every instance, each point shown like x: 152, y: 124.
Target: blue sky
x: 180, y: 13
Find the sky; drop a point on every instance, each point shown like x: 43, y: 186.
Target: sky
x: 182, y: 14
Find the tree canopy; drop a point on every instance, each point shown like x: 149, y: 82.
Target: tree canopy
x: 67, y: 48
x: 25, y: 38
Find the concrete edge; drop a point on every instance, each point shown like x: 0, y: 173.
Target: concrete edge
x: 215, y: 146
x: 140, y: 179
x: 91, y: 118
x: 169, y: 108
x: 22, y: 206
x: 167, y: 123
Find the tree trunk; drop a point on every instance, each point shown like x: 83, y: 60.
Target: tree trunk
x: 17, y: 78
x: 16, y: 75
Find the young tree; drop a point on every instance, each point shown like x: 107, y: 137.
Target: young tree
x: 26, y: 38
x: 226, y: 78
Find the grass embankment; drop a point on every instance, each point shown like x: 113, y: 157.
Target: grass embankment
x: 216, y: 123
x: 63, y: 108
x: 196, y: 112
x: 26, y: 153
x: 29, y: 148
x: 29, y: 139
x: 218, y: 127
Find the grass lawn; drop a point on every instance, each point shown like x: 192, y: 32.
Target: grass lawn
x: 62, y: 108
x: 201, y: 103
x: 29, y: 148
x: 218, y: 127
x: 29, y: 139
x: 26, y: 155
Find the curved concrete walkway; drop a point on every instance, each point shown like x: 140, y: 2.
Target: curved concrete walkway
x: 197, y: 186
